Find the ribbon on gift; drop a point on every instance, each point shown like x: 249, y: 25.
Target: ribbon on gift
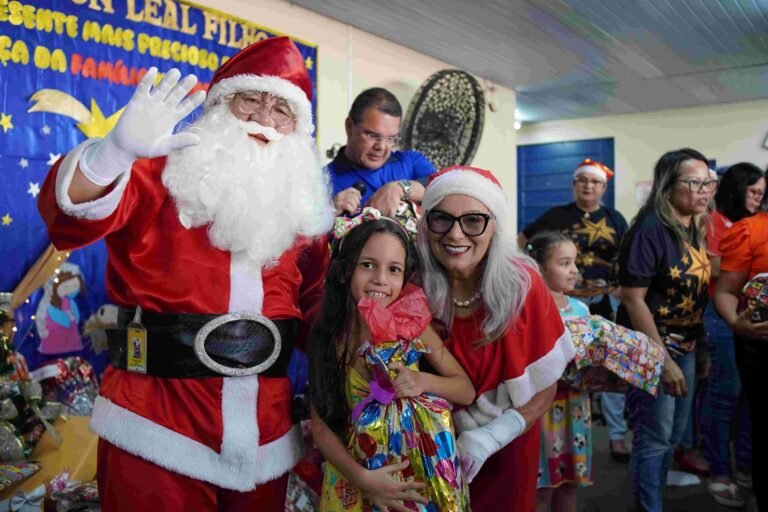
x: 25, y: 502
x: 343, y: 225
x: 377, y: 394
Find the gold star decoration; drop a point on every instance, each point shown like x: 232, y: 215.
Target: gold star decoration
x: 688, y: 283
x: 7, y: 219
x: 664, y: 311
x: 687, y: 304
x: 5, y: 122
x: 671, y: 291
x: 308, y: 62
x: 685, y: 260
x: 597, y: 230
x: 674, y: 272
x: 700, y: 267
x: 588, y: 259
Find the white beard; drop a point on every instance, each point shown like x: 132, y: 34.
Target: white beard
x: 255, y: 198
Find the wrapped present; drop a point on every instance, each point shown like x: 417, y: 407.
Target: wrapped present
x: 754, y: 294
x: 610, y: 357
x: 70, y: 382
x: 12, y: 473
x: 25, y: 501
x: 71, y: 495
x: 388, y: 430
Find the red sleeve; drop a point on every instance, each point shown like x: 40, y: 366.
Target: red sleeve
x: 715, y: 231
x: 537, y: 347
x: 69, y: 231
x: 313, y: 262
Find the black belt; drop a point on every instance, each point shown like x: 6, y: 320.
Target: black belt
x: 170, y: 344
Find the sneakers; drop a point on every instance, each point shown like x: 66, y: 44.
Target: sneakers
x: 727, y: 495
x: 619, y: 451
x: 691, y: 461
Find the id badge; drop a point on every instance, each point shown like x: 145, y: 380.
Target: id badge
x: 136, y: 345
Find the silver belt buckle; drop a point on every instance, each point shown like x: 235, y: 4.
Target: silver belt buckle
x: 229, y: 371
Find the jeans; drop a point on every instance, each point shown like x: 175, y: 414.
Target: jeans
x: 612, y: 405
x: 658, y: 425
x: 721, y: 401
x: 752, y: 361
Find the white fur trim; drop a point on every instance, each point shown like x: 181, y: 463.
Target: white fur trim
x: 542, y: 373
x: 97, y: 209
x: 271, y: 84
x: 468, y: 183
x: 246, y: 288
x: 242, y: 463
x: 592, y: 170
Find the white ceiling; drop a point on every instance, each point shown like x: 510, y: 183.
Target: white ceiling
x: 582, y: 58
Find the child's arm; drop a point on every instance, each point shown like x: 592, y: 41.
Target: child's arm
x: 451, y: 382
x: 381, y: 489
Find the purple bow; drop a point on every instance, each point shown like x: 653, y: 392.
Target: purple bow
x: 378, y: 394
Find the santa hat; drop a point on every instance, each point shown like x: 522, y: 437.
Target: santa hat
x: 593, y: 168
x: 274, y: 66
x: 477, y: 183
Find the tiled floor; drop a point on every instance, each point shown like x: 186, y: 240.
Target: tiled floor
x: 612, y: 492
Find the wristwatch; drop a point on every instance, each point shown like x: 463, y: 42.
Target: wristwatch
x: 406, y: 186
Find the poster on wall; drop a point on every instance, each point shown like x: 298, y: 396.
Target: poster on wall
x: 67, y: 67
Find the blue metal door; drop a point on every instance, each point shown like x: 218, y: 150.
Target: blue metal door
x: 545, y: 174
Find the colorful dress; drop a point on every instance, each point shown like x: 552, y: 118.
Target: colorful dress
x: 566, y: 430
x: 386, y: 430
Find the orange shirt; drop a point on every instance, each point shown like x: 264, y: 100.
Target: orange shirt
x: 744, y: 248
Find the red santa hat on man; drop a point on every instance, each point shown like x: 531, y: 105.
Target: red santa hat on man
x: 274, y: 66
x: 593, y: 168
x: 474, y: 182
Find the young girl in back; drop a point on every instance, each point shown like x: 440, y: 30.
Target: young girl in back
x: 388, y: 438
x: 566, y: 431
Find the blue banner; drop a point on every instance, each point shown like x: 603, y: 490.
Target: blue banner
x: 67, y: 67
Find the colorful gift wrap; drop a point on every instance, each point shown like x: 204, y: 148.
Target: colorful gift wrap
x: 387, y: 430
x: 755, y: 294
x: 14, y: 472
x: 610, y: 357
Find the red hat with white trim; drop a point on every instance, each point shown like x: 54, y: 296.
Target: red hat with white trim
x: 594, y: 168
x: 474, y: 182
x: 274, y: 66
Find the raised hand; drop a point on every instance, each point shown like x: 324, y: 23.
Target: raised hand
x: 145, y: 128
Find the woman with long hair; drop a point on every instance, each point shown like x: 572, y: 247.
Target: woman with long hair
x: 503, y: 327
x: 664, y: 271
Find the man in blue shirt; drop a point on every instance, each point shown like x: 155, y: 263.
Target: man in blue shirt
x: 388, y: 176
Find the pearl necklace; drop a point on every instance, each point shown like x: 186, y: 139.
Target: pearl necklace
x: 468, y: 302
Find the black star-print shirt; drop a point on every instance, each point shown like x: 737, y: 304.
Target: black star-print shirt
x: 676, y: 278
x: 597, y: 236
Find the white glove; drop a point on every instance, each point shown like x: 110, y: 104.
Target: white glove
x: 145, y: 128
x: 475, y: 446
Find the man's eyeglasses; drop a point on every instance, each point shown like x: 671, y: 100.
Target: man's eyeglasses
x: 471, y: 224
x: 249, y: 103
x: 697, y: 185
x: 389, y: 140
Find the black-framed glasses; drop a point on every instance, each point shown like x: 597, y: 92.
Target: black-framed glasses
x: 697, y: 185
x: 471, y: 224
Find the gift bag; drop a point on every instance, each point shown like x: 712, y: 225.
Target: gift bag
x: 388, y: 430
x: 610, y: 357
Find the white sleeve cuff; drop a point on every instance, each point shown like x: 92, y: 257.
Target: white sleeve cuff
x: 97, y: 209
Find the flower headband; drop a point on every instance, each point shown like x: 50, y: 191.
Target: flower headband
x: 343, y: 225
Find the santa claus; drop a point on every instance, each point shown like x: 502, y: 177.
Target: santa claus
x: 204, y: 230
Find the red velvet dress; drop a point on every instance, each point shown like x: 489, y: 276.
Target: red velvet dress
x: 530, y: 357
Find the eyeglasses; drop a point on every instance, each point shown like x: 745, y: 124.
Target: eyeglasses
x: 697, y: 185
x: 757, y: 194
x: 585, y: 182
x: 249, y: 103
x: 471, y: 224
x: 389, y: 140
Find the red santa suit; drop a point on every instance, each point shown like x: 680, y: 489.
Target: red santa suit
x: 234, y: 433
